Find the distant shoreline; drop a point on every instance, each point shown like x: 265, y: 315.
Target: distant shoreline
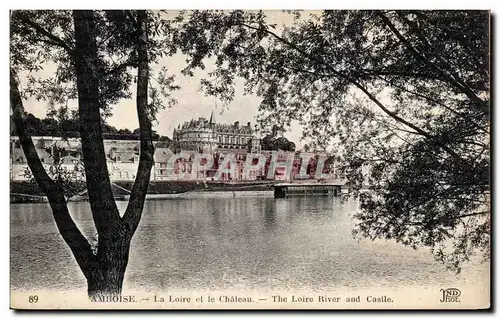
x: 26, y: 192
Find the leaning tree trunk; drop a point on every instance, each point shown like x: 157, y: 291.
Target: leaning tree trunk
x: 69, y: 231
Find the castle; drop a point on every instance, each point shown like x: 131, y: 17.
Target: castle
x: 204, y: 135
x: 172, y: 161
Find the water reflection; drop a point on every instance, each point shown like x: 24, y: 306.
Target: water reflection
x: 218, y: 243
x: 269, y: 215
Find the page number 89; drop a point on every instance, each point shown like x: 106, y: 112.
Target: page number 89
x: 33, y: 299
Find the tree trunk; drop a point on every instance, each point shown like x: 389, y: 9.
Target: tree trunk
x: 115, y: 232
x: 106, y: 275
x: 106, y: 280
x: 103, y: 286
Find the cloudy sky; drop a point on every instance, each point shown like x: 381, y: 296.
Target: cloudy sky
x: 192, y: 103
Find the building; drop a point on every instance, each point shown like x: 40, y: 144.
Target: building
x: 204, y: 135
x: 122, y: 157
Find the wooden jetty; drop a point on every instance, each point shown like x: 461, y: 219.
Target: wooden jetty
x: 322, y: 188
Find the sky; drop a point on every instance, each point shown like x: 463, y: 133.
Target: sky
x: 191, y: 102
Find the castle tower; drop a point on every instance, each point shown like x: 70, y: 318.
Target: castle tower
x: 212, y: 120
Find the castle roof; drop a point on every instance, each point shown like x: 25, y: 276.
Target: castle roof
x: 212, y: 119
x: 203, y: 123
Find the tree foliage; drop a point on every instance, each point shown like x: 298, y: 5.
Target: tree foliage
x: 403, y: 96
x: 45, y: 38
x: 270, y: 143
x: 70, y: 178
x: 70, y: 127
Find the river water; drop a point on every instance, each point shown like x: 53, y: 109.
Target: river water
x: 230, y: 243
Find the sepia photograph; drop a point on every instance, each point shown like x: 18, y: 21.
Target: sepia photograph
x: 250, y: 159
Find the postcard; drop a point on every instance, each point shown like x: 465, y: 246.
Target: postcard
x: 246, y: 159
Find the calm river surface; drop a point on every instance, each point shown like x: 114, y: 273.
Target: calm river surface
x: 229, y: 243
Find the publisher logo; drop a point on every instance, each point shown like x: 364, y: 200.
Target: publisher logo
x: 450, y: 295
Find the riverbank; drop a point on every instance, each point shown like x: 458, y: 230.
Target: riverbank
x: 26, y: 192
x: 207, y: 194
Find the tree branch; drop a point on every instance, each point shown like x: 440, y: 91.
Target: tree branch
x: 450, y: 218
x: 40, y: 30
x: 432, y: 100
x: 121, y: 66
x: 348, y: 78
x: 417, y: 31
x: 460, y: 38
x: 447, y: 76
x: 356, y: 84
x: 369, y: 73
x: 135, y: 205
x: 65, y: 224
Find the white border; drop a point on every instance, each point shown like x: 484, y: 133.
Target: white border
x: 192, y: 4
